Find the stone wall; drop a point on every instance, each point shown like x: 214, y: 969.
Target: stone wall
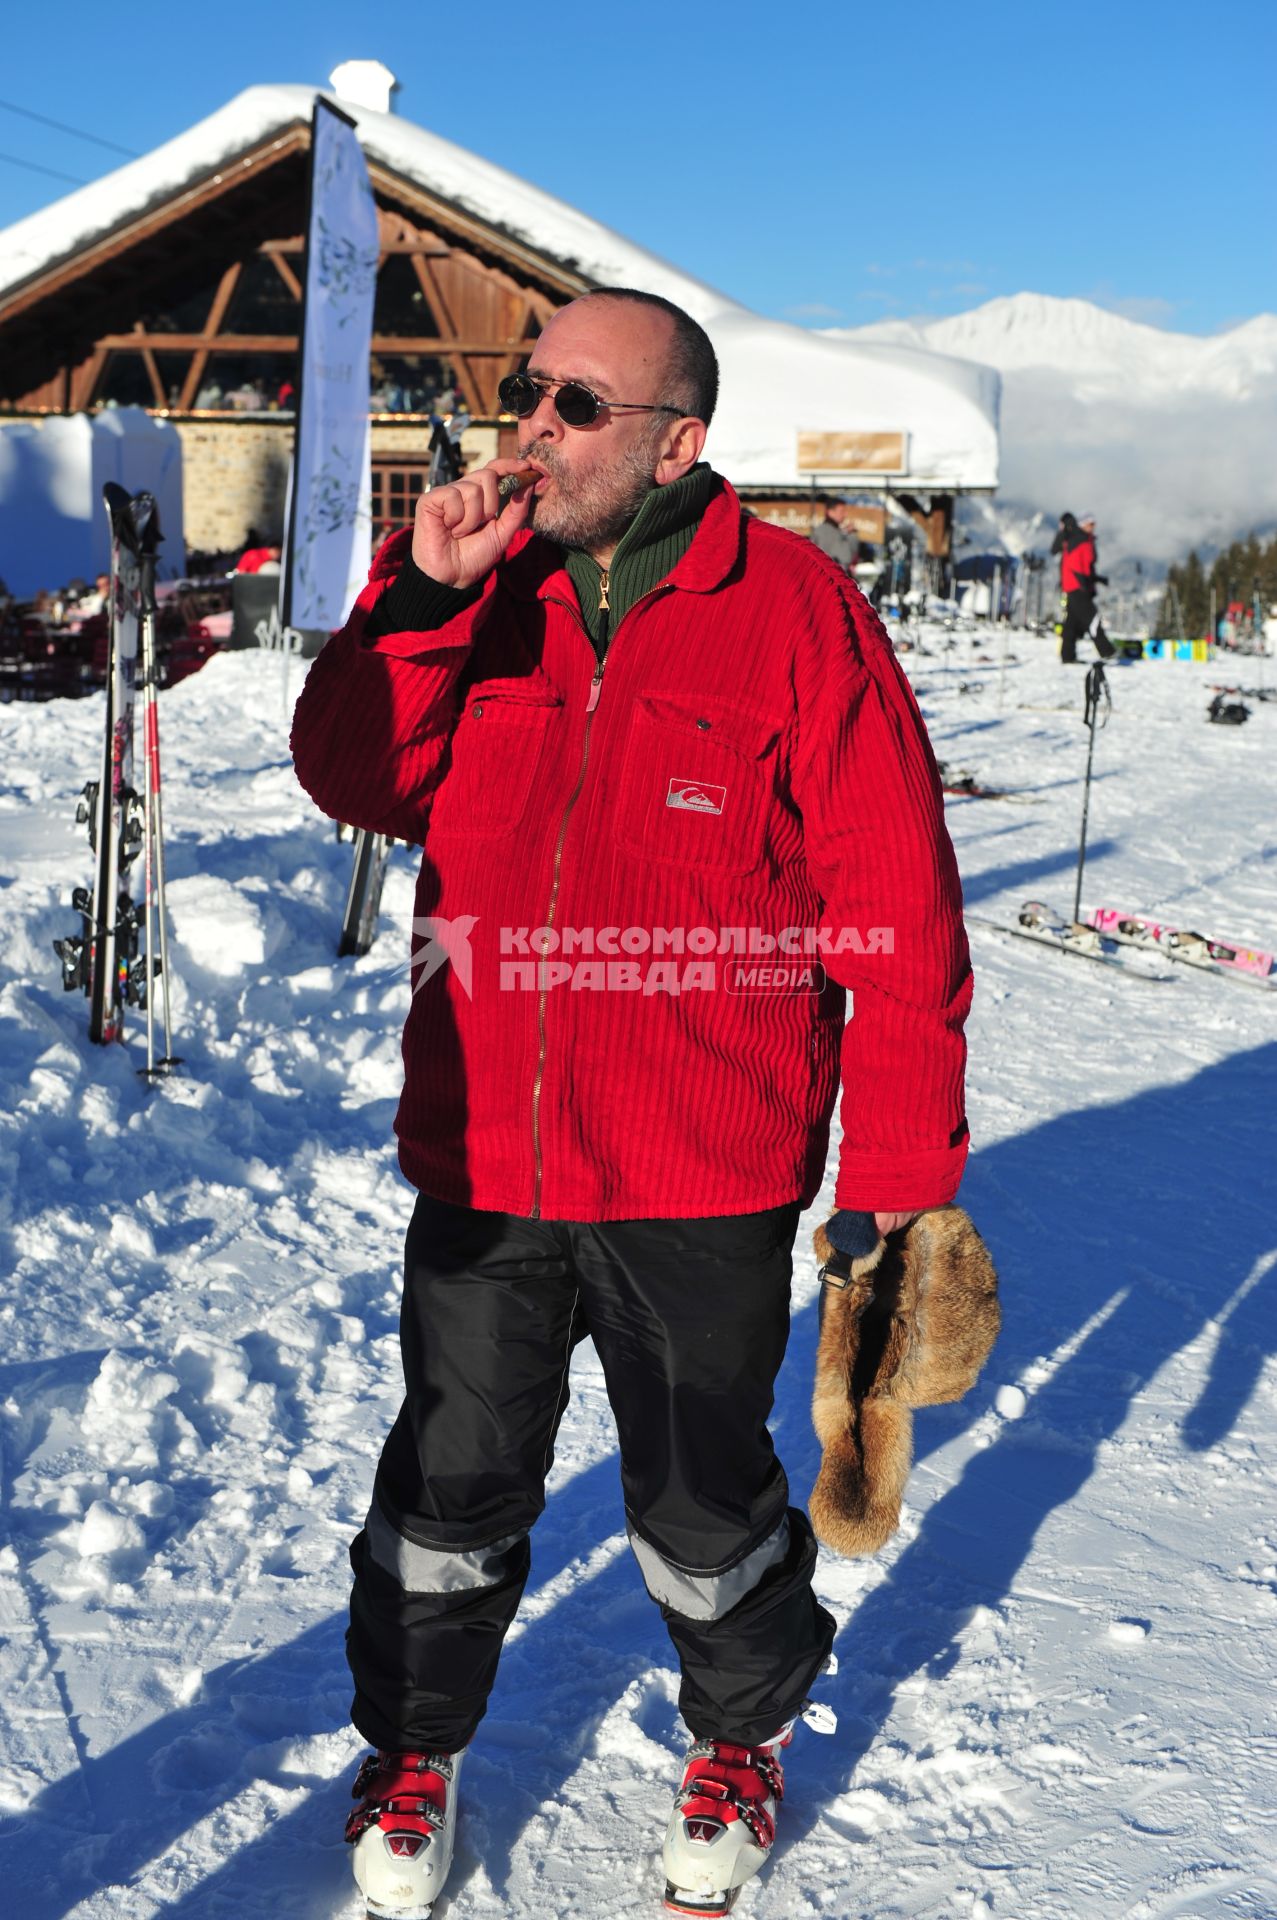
x: 235, y: 475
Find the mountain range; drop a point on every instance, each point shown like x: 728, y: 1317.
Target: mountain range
x: 1166, y: 437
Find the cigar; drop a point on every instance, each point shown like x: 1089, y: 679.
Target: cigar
x: 509, y: 483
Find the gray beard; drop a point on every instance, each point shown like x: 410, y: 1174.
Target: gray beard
x: 595, y: 511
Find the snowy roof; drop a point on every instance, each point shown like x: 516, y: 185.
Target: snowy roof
x: 777, y: 380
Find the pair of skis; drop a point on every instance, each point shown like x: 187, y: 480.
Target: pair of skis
x: 1183, y: 944
x: 1102, y: 937
x: 1038, y: 922
x: 102, y: 960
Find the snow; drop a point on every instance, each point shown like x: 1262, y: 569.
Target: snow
x: 1166, y: 437
x: 1055, y: 1690
x: 776, y: 378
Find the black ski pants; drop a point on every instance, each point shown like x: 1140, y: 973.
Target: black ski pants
x: 690, y: 1319
x: 1082, y: 620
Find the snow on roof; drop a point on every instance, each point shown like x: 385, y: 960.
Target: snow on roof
x: 777, y: 379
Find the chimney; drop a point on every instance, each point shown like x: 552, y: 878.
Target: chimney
x: 364, y: 83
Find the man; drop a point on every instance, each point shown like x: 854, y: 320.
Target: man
x: 834, y: 537
x: 1075, y: 544
x: 634, y: 728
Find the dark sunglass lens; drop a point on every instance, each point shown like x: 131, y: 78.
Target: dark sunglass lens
x: 518, y: 395
x: 576, y: 405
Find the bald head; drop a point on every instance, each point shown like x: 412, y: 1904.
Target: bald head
x: 691, y: 365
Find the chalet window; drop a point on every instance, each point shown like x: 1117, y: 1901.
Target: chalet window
x: 400, y: 308
x: 397, y: 484
x: 410, y: 383
x: 126, y: 382
x: 247, y: 382
x: 171, y: 368
x: 262, y: 302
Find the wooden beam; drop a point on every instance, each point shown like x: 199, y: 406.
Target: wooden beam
x: 203, y: 343
x: 432, y: 345
x: 153, y: 375
x: 85, y: 379
x: 433, y: 289
x: 284, y: 270
x: 222, y: 299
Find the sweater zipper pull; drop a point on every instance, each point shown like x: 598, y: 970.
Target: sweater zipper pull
x: 605, y: 617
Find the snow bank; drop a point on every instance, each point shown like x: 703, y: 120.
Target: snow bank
x: 53, y: 527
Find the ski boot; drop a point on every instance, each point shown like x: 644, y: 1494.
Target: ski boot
x: 402, y: 1831
x: 724, y: 1819
x: 723, y: 1824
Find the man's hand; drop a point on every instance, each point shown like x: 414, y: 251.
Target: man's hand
x: 893, y: 1222
x: 857, y: 1234
x: 462, y: 530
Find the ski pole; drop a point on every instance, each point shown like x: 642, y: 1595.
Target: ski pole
x: 148, y: 793
x: 1097, y: 690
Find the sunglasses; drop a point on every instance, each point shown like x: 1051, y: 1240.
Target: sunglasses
x: 575, y: 405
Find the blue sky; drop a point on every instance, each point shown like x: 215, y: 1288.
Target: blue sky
x: 824, y: 164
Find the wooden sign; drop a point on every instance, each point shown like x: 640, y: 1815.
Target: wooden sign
x: 867, y: 523
x: 851, y: 452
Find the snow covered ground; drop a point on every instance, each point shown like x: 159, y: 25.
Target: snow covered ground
x: 1056, y: 1685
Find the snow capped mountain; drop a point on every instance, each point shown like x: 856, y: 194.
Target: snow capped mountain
x: 1035, y: 331
x: 1167, y: 437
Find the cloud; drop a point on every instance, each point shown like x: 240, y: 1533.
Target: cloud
x: 1160, y: 477
x: 813, y: 310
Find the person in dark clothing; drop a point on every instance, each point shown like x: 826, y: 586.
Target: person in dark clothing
x: 1075, y: 544
x: 835, y: 536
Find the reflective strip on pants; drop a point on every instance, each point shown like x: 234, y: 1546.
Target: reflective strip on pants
x: 419, y: 1569
x: 708, y: 1596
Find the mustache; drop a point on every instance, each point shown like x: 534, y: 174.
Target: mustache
x: 547, y: 457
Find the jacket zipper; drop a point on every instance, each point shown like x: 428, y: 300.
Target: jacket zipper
x: 596, y: 687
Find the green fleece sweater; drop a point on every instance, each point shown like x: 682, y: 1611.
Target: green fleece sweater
x: 652, y: 545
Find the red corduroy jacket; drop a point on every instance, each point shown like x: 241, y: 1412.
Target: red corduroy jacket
x: 657, y: 884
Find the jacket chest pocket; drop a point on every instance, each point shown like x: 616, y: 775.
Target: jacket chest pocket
x: 696, y: 781
x: 497, y: 745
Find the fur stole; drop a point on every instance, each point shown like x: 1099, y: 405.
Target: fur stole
x: 909, y: 1325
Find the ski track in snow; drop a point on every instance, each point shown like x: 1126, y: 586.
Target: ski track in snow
x: 1056, y: 1683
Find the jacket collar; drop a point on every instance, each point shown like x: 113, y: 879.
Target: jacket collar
x: 534, y: 568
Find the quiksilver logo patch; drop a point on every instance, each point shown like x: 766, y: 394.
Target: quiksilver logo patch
x: 695, y: 796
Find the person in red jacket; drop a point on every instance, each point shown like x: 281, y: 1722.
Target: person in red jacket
x: 1075, y: 543
x: 678, y: 809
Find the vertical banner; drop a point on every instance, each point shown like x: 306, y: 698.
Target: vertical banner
x: 330, y: 505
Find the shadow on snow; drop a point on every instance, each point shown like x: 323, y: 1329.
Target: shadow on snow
x: 1131, y: 1229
